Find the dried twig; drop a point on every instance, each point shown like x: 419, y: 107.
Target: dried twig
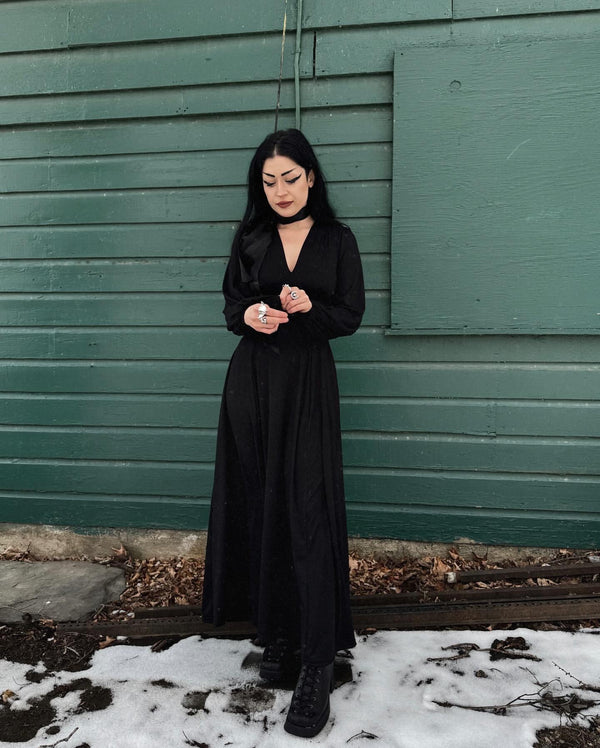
x: 363, y: 734
x: 62, y: 740
x: 569, y: 704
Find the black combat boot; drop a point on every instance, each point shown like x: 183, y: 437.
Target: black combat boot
x: 309, y: 709
x: 278, y: 661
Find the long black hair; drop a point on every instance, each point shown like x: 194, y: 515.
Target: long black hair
x: 294, y: 145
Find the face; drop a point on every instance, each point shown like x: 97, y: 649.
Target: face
x: 286, y: 185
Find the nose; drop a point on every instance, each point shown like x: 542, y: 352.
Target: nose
x: 281, y: 187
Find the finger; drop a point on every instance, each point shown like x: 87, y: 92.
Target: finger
x: 277, y: 314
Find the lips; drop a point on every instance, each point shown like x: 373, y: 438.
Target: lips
x: 284, y: 205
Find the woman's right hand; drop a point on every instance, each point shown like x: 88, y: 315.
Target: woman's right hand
x: 274, y: 318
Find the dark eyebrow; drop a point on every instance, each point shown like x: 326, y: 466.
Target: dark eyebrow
x: 283, y: 173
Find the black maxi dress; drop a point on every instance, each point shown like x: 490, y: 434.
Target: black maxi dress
x: 277, y: 550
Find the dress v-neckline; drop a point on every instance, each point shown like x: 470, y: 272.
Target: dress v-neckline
x: 285, y: 262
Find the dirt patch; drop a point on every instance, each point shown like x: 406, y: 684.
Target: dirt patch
x: 33, y: 642
x: 22, y: 725
x: 249, y: 700
x: 568, y: 737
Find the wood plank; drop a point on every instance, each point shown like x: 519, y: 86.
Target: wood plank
x: 42, y: 25
x: 417, y: 523
x: 187, y: 239
x: 340, y: 163
x: 33, y: 26
x: 118, y: 479
x: 119, y: 343
x: 189, y: 62
x: 94, y: 511
x: 526, y: 529
x: 371, y: 124
x: 391, y: 415
x: 377, y: 345
x: 117, y: 276
x: 574, y: 382
x: 375, y: 12
x: 113, y: 410
x: 489, y: 237
x: 491, y: 494
x: 472, y: 417
x: 155, y: 309
x: 482, y: 9
x: 176, y: 101
x: 577, y: 456
x: 352, y: 51
x: 532, y: 381
x: 351, y: 199
x: 409, y: 452
x: 368, y: 344
x: 166, y: 445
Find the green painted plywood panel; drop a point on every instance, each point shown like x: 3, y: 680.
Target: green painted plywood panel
x: 482, y: 8
x: 495, y: 174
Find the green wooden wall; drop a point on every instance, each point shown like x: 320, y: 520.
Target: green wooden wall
x: 125, y: 133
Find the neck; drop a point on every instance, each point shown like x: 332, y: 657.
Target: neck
x: 299, y: 216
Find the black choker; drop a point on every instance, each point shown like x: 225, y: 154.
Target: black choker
x: 299, y: 216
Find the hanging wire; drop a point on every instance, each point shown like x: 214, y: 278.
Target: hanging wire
x: 281, y: 65
x: 297, y: 63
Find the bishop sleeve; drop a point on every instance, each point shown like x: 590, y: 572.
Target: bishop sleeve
x: 239, y: 296
x: 342, y: 313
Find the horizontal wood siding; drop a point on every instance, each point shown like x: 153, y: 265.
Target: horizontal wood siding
x: 123, y: 152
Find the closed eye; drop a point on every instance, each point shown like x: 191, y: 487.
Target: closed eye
x: 268, y: 184
x: 291, y: 181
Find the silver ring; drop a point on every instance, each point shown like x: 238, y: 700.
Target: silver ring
x: 262, y: 309
x: 263, y: 318
x: 294, y: 295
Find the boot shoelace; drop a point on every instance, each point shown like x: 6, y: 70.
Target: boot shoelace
x: 276, y: 651
x: 305, y: 695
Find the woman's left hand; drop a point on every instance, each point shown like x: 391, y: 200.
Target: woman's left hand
x: 294, y: 299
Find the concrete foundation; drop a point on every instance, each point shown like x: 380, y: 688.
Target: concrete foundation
x: 53, y: 542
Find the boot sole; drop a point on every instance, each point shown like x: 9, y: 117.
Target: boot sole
x: 308, y: 731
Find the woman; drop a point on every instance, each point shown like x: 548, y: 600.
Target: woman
x: 277, y: 542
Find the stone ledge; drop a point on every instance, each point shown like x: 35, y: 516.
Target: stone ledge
x: 49, y: 541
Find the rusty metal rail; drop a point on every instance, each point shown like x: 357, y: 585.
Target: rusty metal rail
x: 524, y: 572
x: 404, y: 611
